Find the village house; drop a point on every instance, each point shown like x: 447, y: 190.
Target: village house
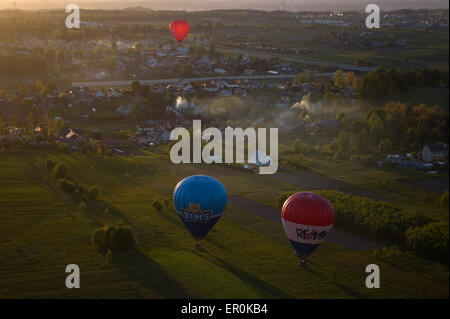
x: 435, y: 152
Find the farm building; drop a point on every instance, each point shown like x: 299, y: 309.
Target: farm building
x: 434, y: 152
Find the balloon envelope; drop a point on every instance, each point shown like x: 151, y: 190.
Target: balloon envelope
x: 199, y: 201
x: 179, y: 29
x: 307, y: 219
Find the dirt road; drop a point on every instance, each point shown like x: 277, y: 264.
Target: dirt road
x: 310, y: 180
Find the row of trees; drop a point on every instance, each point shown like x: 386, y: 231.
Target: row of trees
x: 60, y: 173
x: 381, y: 83
x: 407, y: 127
x: 22, y: 66
x: 396, y: 127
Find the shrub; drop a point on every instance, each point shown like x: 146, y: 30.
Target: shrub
x: 99, y: 240
x: 157, y: 205
x: 63, y: 147
x: 444, y: 199
x: 50, y: 164
x: 82, y: 206
x: 298, y: 146
x: 120, y: 238
x: 66, y: 186
x: 377, y: 219
x: 281, y: 198
x: 80, y: 193
x: 60, y: 171
x: 94, y: 192
x: 430, y: 240
x: 385, y: 146
x: 113, y: 238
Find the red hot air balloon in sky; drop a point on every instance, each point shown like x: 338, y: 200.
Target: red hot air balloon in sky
x: 179, y: 29
x: 307, y: 219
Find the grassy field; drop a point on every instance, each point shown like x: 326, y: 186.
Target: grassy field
x: 244, y: 256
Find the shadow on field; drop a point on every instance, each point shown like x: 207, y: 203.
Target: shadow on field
x: 265, y: 289
x: 350, y: 291
x: 306, y: 267
x: 143, y: 269
x: 171, y: 217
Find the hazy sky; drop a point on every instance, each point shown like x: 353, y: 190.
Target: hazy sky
x: 293, y: 5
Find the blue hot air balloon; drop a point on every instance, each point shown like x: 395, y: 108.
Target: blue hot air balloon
x: 199, y: 201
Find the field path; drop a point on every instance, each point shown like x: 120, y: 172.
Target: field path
x: 310, y: 180
x: 336, y: 236
x: 432, y: 184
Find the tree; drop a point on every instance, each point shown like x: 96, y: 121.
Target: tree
x: 50, y: 128
x: 343, y: 140
x: 385, y: 146
x: 342, y: 118
x: 376, y: 129
x: 299, y: 146
x: 135, y: 86
x: 304, y: 77
x: 13, y: 120
x: 30, y: 121
x: 339, y: 79
x: 114, y: 238
x: 60, y: 171
x: 362, y: 142
x: 187, y: 70
x: 2, y: 126
x: 356, y: 127
x: 59, y: 123
x: 351, y: 79
x: 3, y: 95
x: 444, y: 199
x: 94, y: 192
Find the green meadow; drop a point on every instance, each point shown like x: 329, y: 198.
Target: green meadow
x: 244, y: 256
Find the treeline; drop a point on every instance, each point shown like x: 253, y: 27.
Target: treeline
x: 381, y: 83
x: 22, y: 66
x: 59, y: 173
x: 395, y: 128
x: 387, y: 223
x: 110, y: 238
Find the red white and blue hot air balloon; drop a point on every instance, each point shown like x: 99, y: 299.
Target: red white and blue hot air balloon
x: 307, y: 219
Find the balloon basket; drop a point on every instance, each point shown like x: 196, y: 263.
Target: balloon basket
x: 198, y: 245
x: 301, y: 262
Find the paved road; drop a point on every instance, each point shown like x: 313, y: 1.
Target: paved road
x: 335, y: 236
x: 165, y: 81
x: 300, y: 60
